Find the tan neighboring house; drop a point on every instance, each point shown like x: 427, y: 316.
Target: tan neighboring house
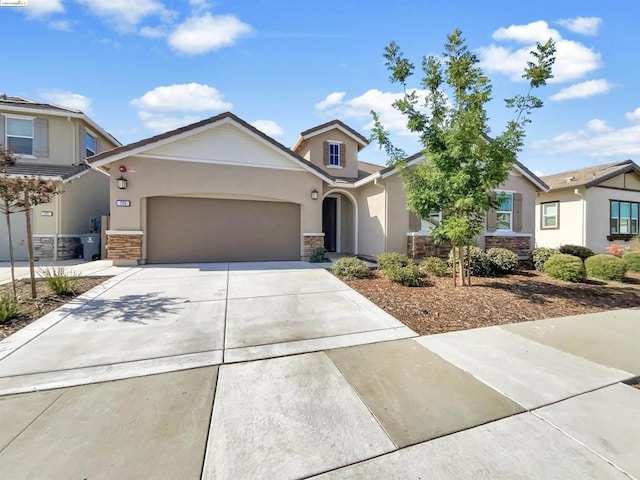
x: 53, y: 143
x: 221, y: 190
x: 593, y: 207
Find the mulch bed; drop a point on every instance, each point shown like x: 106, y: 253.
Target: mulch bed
x: 438, y: 307
x: 46, y: 301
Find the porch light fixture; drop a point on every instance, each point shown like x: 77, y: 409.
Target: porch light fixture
x: 122, y: 183
x: 314, y: 194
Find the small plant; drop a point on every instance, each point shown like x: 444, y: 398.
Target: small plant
x: 60, y: 281
x: 568, y: 268
x: 9, y: 308
x: 634, y: 244
x: 408, y: 276
x: 433, y: 266
x: 481, y: 266
x: 351, y: 268
x: 632, y: 260
x: 319, y: 255
x: 392, y: 259
x: 577, y: 251
x: 539, y: 256
x: 616, y: 250
x: 606, y: 267
x: 503, y: 260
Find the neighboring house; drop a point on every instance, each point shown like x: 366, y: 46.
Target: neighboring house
x: 52, y: 143
x: 221, y: 190
x: 593, y: 207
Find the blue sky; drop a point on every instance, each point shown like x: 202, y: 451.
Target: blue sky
x: 145, y: 66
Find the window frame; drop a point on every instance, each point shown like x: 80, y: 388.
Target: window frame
x: 334, y: 155
x: 426, y: 225
x: 509, y: 212
x: 89, y: 133
x: 7, y: 118
x: 619, y: 218
x: 543, y: 225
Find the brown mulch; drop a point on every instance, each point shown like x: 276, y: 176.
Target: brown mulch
x: 46, y: 301
x: 438, y: 307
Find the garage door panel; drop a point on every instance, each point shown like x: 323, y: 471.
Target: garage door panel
x: 216, y: 230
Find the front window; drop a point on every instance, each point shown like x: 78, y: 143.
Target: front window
x: 20, y: 135
x: 91, y: 145
x: 435, y: 218
x: 623, y: 218
x: 334, y: 154
x: 550, y: 215
x: 504, y: 211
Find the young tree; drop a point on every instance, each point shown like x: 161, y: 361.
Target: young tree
x: 463, y: 165
x: 8, y: 204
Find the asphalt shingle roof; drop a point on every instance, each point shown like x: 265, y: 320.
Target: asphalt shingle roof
x: 589, y: 176
x: 54, y: 172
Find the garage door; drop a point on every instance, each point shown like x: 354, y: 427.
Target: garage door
x: 18, y: 234
x: 181, y: 230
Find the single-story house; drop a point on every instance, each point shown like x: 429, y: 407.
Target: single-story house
x: 221, y: 190
x: 593, y: 207
x: 53, y: 143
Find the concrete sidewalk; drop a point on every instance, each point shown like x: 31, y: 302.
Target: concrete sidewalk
x: 234, y: 371
x: 85, y: 269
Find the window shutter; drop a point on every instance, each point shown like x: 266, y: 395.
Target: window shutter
x: 414, y: 222
x: 82, y: 143
x: 517, y: 212
x: 41, y: 137
x: 2, y: 122
x: 343, y: 154
x: 492, y: 220
x: 325, y: 153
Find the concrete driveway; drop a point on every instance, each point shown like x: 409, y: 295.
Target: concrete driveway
x: 252, y: 371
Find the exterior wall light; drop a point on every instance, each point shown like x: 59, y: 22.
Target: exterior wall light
x: 314, y: 194
x: 122, y: 183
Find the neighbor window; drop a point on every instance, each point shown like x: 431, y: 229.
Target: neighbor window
x: 20, y: 135
x: 550, y: 215
x: 426, y: 224
x: 334, y: 154
x: 91, y: 144
x: 504, y: 212
x: 624, y: 218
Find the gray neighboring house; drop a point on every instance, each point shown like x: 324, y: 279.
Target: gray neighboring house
x: 53, y: 143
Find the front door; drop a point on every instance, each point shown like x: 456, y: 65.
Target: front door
x: 329, y: 220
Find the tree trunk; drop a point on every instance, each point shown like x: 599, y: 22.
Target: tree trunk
x: 32, y: 270
x: 462, y: 269
x: 11, y: 259
x: 469, y: 265
x: 454, y: 263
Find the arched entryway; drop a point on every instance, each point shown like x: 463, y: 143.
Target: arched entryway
x: 340, y: 222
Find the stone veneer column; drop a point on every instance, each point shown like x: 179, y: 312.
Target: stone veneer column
x: 421, y: 245
x: 519, y: 244
x: 311, y: 242
x: 124, y: 247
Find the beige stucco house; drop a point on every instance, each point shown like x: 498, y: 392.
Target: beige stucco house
x: 53, y: 143
x: 593, y: 207
x: 221, y: 190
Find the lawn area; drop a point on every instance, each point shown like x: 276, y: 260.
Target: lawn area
x: 437, y: 307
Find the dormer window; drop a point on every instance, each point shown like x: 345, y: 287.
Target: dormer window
x: 334, y: 154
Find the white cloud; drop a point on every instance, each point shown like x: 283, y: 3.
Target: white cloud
x: 124, y: 14
x: 269, y: 127
x: 66, y: 99
x: 39, y: 8
x: 584, y: 90
x: 153, y: 32
x: 573, y: 59
x: 168, y: 107
x: 331, y: 100
x: 202, y: 34
x: 62, y: 25
x: 583, y: 25
x: 634, y: 116
x: 598, y: 125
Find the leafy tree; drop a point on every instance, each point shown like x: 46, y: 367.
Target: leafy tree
x: 8, y: 204
x: 463, y: 163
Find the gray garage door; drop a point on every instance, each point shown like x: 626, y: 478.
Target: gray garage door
x: 19, y: 235
x: 181, y: 230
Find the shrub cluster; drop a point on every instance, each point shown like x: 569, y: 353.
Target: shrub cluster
x: 60, y: 281
x: 392, y: 259
x: 319, y: 255
x: 433, y: 266
x: 577, y: 251
x: 606, y: 267
x: 568, y: 268
x: 632, y: 260
x: 351, y: 268
x: 502, y: 260
x: 539, y: 257
x: 409, y: 276
x: 9, y: 308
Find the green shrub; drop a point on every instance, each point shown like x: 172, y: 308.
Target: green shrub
x: 503, y: 260
x: 350, y: 268
x: 408, y: 276
x: 9, y: 308
x: 481, y: 266
x: 433, y: 266
x: 539, y: 257
x: 565, y: 267
x: 319, y: 255
x: 606, y: 267
x: 577, y: 251
x: 60, y: 281
x: 632, y: 260
x: 392, y: 259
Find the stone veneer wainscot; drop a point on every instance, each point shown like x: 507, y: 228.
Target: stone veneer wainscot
x: 124, y: 247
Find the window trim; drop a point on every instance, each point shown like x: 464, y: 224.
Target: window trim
x: 543, y: 216
x: 510, y: 212
x: 630, y: 233
x: 9, y: 116
x: 335, y: 155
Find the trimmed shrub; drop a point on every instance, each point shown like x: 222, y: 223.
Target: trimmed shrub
x: 319, y: 255
x: 503, y: 260
x: 60, y: 281
x: 539, y: 256
x: 350, y: 268
x: 632, y: 260
x: 565, y: 267
x: 481, y: 266
x: 9, y: 308
x: 605, y: 267
x: 392, y: 259
x: 577, y: 251
x: 433, y: 266
x: 408, y: 276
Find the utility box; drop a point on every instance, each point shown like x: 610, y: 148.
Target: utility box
x: 90, y: 245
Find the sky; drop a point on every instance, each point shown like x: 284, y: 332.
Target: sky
x: 143, y: 67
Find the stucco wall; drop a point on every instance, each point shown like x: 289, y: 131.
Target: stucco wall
x: 371, y: 217
x: 346, y: 225
x: 398, y: 220
x: 312, y: 150
x: 84, y: 198
x: 571, y: 212
x: 629, y: 181
x: 598, y: 215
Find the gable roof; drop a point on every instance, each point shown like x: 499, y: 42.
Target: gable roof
x: 143, y: 145
x: 46, y: 172
x: 590, y: 176
x: 330, y: 125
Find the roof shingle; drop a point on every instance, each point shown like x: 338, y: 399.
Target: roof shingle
x: 590, y: 176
